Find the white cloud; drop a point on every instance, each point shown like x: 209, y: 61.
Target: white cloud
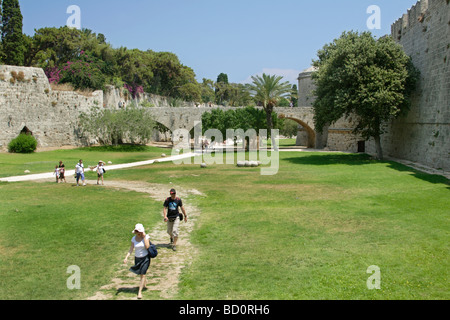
x: 289, y: 75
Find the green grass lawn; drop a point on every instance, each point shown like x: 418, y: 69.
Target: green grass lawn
x: 45, y: 228
x: 309, y: 232
x: 288, y: 142
x: 40, y: 162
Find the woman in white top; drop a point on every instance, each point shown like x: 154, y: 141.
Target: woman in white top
x: 100, y: 171
x: 140, y: 243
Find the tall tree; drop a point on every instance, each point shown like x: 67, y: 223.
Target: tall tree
x: 268, y: 90
x: 294, y: 95
x: 11, y: 30
x: 367, y: 78
x: 223, y: 78
x: 207, y: 88
x: 221, y: 88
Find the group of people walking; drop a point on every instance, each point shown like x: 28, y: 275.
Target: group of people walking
x: 140, y: 242
x: 79, y: 172
x: 60, y: 171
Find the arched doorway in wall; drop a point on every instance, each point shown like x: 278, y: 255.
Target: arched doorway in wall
x: 161, y: 133
x: 27, y: 131
x: 309, y: 134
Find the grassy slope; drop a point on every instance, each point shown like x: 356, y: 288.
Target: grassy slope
x: 309, y: 232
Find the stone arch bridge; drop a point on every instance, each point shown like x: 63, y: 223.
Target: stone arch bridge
x: 185, y: 118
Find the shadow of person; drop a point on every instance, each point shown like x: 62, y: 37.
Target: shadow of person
x: 130, y: 290
x: 163, y: 245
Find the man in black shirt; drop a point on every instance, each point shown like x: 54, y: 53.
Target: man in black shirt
x: 172, y: 216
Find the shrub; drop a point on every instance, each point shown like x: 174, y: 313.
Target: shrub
x: 53, y: 74
x: 84, y: 73
x: 21, y: 76
x: 113, y: 127
x: 24, y: 143
x: 134, y: 89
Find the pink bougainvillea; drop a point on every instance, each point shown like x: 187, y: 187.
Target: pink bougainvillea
x: 53, y: 74
x: 134, y: 89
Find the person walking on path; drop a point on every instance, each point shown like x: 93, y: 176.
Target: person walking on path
x: 173, y: 217
x: 79, y: 170
x: 62, y: 170
x: 57, y: 174
x: 100, y: 171
x: 140, y: 243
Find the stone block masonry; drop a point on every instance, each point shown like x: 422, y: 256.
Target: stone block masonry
x: 28, y: 102
x: 423, y: 135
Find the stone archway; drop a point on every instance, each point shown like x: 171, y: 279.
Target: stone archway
x: 310, y: 133
x: 161, y: 133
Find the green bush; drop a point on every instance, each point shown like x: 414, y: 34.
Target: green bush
x: 24, y: 143
x: 84, y: 73
x: 115, y: 127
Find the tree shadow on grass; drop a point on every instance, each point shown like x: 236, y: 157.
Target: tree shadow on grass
x: 353, y: 159
x: 333, y: 158
x: 432, y: 178
x: 117, y: 148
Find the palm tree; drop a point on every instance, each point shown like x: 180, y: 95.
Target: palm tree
x: 267, y: 90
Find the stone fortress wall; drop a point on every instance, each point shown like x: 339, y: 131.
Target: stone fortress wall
x: 423, y: 134
x: 28, y: 103
x: 338, y: 136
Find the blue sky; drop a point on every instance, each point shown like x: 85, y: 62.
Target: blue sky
x: 238, y: 37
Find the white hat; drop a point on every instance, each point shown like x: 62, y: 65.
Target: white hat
x: 139, y: 227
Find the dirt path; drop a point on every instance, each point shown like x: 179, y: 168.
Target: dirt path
x: 164, y: 272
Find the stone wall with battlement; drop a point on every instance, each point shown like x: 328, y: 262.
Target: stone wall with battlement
x: 423, y: 135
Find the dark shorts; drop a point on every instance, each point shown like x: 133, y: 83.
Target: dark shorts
x: 141, y: 265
